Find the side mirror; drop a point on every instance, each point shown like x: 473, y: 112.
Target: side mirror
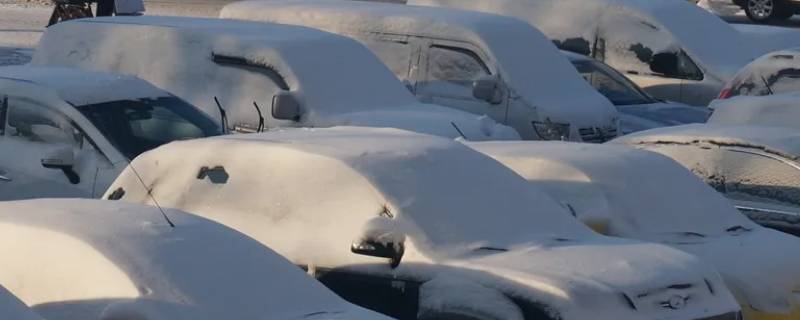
x: 487, y: 89
x: 665, y: 63
x: 285, y: 106
x: 62, y: 159
x: 381, y: 239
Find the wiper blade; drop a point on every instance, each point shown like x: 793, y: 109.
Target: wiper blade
x: 738, y: 229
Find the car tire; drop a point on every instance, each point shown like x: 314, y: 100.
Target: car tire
x: 765, y: 11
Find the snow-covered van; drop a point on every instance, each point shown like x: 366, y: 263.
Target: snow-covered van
x: 673, y: 49
x: 75, y: 259
x: 758, y: 167
x: 476, y: 62
x: 69, y: 133
x: 12, y: 308
x: 422, y: 227
x: 630, y: 193
x: 263, y: 75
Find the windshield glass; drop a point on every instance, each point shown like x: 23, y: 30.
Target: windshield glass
x: 616, y: 87
x: 136, y: 126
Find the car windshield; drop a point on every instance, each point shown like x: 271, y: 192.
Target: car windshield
x: 136, y: 126
x: 611, y: 83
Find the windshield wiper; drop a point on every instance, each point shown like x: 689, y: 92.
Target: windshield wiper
x: 492, y: 249
x: 738, y: 229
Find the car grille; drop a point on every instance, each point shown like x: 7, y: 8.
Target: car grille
x: 727, y: 316
x: 597, y: 135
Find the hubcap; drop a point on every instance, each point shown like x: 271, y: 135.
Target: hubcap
x: 761, y: 9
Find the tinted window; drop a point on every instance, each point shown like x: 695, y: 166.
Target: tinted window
x: 136, y: 126
x: 611, y: 83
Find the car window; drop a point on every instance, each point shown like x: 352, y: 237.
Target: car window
x: 451, y: 72
x: 756, y: 84
x: 614, y: 86
x: 32, y: 121
x: 395, y: 54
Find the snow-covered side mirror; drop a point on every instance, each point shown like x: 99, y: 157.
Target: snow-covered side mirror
x: 487, y: 89
x: 285, y: 106
x: 381, y: 239
x: 62, y: 158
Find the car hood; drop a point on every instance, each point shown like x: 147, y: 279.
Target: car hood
x: 641, y: 117
x: 429, y: 119
x: 626, y: 279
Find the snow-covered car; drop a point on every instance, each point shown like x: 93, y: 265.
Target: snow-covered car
x: 758, y: 167
x: 765, y: 11
x: 298, y: 77
x: 779, y: 110
x: 673, y: 49
x: 625, y: 192
x: 91, y: 259
x: 774, y: 73
x: 12, y: 308
x: 638, y: 109
x: 69, y: 133
x: 476, y: 62
x: 422, y: 227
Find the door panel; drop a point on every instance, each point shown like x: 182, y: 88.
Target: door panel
x: 659, y: 87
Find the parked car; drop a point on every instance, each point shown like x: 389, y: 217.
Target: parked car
x: 656, y: 43
x: 91, y: 259
x: 764, y: 11
x: 479, y: 63
x: 774, y: 73
x: 397, y: 222
x: 755, y: 166
x: 638, y: 109
x: 12, y: 308
x: 264, y: 75
x: 624, y: 192
x: 69, y: 133
x: 779, y: 110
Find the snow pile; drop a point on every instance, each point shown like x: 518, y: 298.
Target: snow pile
x: 462, y: 213
x: 528, y: 62
x: 779, y: 110
x: 12, y: 308
x: 243, y: 62
x: 89, y: 259
x: 720, y: 7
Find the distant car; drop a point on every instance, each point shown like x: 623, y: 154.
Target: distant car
x: 265, y: 76
x: 624, y: 192
x: 91, y: 259
x: 639, y: 111
x: 675, y: 50
x: 421, y: 227
x: 69, y: 133
x: 764, y: 11
x: 774, y: 73
x: 12, y: 308
x: 758, y: 167
x: 476, y: 62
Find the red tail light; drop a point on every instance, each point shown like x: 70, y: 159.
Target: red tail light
x: 725, y: 94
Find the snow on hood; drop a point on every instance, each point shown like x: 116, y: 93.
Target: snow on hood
x: 80, y: 87
x: 779, y: 110
x: 196, y: 270
x: 12, y: 308
x: 784, y: 142
x: 529, y: 63
x: 176, y: 54
x: 565, y: 19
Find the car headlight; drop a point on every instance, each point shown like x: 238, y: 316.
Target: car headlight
x: 551, y: 130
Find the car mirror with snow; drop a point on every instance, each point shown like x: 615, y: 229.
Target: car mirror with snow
x: 62, y: 158
x: 381, y: 239
x: 486, y: 89
x: 285, y: 106
x: 665, y: 63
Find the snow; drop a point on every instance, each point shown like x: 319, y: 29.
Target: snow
x: 12, y: 308
x: 320, y: 187
x: 526, y: 60
x: 90, y: 259
x: 778, y: 110
x: 642, y: 195
x: 773, y: 73
x: 769, y: 38
x: 80, y: 87
x: 175, y: 54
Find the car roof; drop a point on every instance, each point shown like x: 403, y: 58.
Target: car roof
x: 82, y: 87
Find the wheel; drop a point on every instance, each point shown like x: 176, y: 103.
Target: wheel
x: 764, y: 11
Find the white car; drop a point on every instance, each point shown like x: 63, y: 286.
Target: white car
x: 12, y: 308
x: 69, y: 133
x: 673, y: 49
x: 90, y: 259
x: 758, y: 167
x: 624, y: 192
x: 638, y: 109
x: 422, y: 227
x: 774, y: 73
x: 476, y: 62
x: 779, y: 110
x: 265, y: 76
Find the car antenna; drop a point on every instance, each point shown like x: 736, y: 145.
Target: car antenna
x: 223, y: 116
x: 459, y: 130
x: 769, y: 89
x: 260, y: 118
x: 150, y: 194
